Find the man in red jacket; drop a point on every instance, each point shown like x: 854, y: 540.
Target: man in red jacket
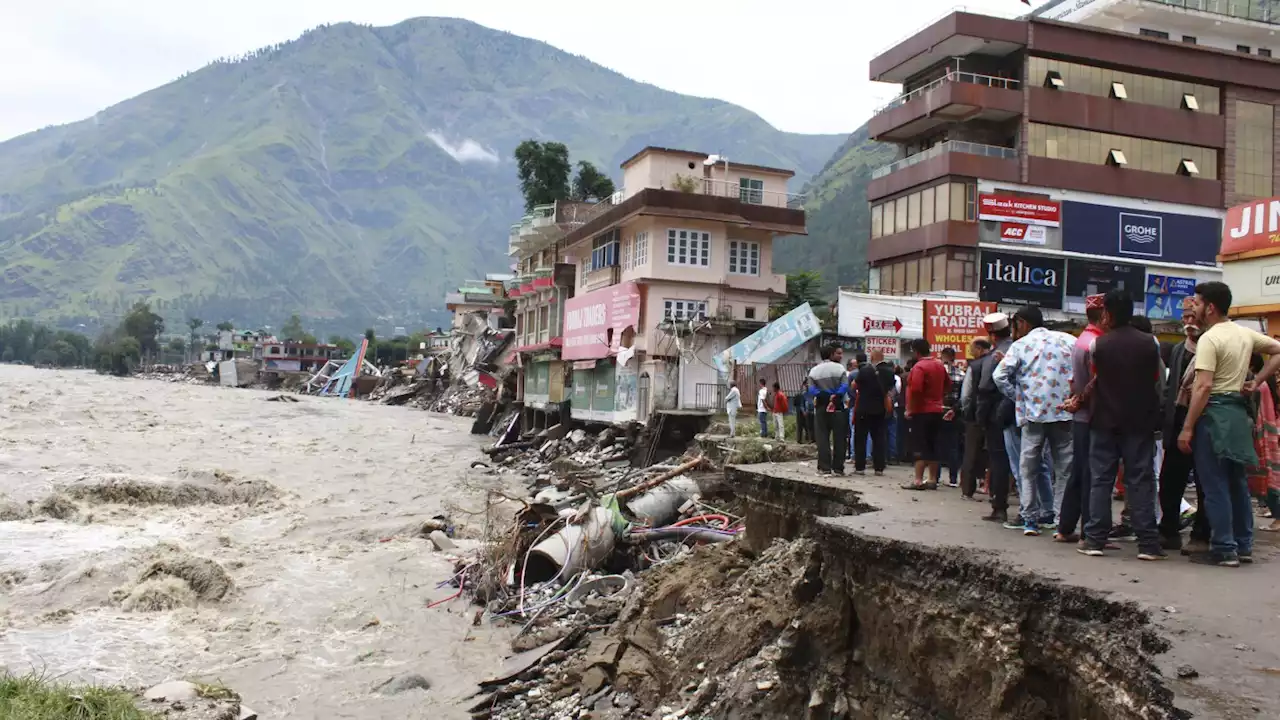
x: 927, y: 386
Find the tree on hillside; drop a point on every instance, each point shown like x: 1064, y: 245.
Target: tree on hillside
x: 226, y: 326
x: 802, y: 287
x: 370, y: 336
x: 193, y: 324
x: 144, y: 326
x: 591, y: 184
x: 544, y: 170
x: 292, y: 329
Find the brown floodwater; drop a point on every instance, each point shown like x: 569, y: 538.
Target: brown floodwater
x: 330, y: 584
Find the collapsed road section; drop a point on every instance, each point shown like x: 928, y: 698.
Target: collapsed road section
x: 770, y: 607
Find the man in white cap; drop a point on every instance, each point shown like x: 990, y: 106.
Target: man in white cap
x: 988, y: 413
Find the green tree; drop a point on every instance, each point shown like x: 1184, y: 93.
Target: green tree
x: 370, y: 336
x: 591, y: 184
x: 345, y: 346
x: 802, y: 287
x: 144, y: 326
x: 543, y: 169
x: 178, y: 345
x: 226, y: 326
x: 194, y: 324
x: 292, y: 329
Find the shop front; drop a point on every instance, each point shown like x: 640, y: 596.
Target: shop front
x: 600, y: 329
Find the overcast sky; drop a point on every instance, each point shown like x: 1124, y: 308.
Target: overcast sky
x: 802, y: 66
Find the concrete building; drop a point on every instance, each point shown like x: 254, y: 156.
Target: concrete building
x: 479, y: 296
x: 1043, y: 160
x: 289, y: 356
x: 673, y: 269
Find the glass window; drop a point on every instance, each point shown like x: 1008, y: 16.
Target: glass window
x: 1094, y: 147
x: 913, y: 276
x: 684, y: 309
x: 1254, y: 149
x: 941, y: 202
x: 877, y: 220
x: 900, y: 214
x: 957, y: 201
x: 890, y: 227
x: 926, y: 206
x: 604, y: 250
x: 641, y: 249
x: 1145, y: 89
x: 913, y: 211
x: 939, y: 272
x: 899, y: 277
x: 751, y: 190
x: 688, y: 247
x: 744, y: 257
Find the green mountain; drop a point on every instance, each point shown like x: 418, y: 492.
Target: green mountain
x: 839, y: 219
x: 352, y: 174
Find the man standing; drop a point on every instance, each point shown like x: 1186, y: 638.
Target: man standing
x: 732, y: 404
x: 1125, y: 414
x: 951, y: 436
x: 763, y: 403
x: 974, y: 463
x: 1218, y: 426
x: 803, y: 405
x: 1075, y: 501
x: 1176, y: 468
x: 829, y: 385
x: 927, y: 385
x: 1036, y: 375
x: 989, y: 404
x: 873, y: 406
x: 779, y: 411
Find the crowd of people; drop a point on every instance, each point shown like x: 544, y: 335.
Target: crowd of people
x: 1070, y: 423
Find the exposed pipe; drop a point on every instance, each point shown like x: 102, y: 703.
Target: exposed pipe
x: 573, y: 549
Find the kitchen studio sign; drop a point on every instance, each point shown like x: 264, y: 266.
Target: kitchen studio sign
x: 1021, y: 279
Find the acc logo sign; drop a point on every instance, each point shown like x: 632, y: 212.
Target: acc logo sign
x: 1141, y: 235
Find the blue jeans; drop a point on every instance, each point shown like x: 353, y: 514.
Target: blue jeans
x: 764, y: 424
x: 1226, y: 496
x: 892, y: 452
x: 1043, y: 487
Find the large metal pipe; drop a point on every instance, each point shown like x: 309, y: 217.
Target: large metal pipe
x: 573, y: 549
x: 660, y: 505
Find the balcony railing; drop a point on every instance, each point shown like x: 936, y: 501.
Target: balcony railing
x: 1264, y: 11
x: 947, y: 147
x: 952, y: 76
x: 754, y: 196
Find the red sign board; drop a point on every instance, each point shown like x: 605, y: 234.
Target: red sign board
x: 1014, y: 209
x: 955, y: 323
x: 870, y: 325
x: 1252, y: 227
x: 593, y: 323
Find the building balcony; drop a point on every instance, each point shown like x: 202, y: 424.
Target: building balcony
x: 752, y: 196
x: 1125, y: 182
x: 727, y: 208
x: 955, y: 97
x: 602, y: 277
x: 954, y: 157
x: 1262, y: 11
x: 958, y: 34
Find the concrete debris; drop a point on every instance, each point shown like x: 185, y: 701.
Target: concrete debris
x: 183, y: 700
x: 403, y: 684
x: 441, y: 541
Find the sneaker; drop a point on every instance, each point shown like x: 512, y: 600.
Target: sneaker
x: 839, y: 472
x: 879, y: 473
x: 1048, y: 525
x: 999, y: 516
x: 1173, y: 542
x: 1246, y: 557
x: 859, y: 472
x: 953, y: 483
x: 1014, y: 524
x: 1030, y: 530
x: 1122, y: 533
x: 1230, y: 560
x: 1153, y: 555
x: 1195, y: 547
x: 1090, y: 550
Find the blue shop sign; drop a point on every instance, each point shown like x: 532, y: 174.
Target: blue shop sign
x: 1170, y: 285
x: 1140, y: 234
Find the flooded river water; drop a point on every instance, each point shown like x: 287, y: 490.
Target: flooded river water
x: 329, y: 583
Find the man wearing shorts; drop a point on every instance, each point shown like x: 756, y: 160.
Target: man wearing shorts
x: 927, y: 386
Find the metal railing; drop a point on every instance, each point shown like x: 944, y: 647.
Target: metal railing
x: 950, y: 146
x: 708, y: 396
x: 753, y: 196
x: 952, y: 76
x: 1264, y: 11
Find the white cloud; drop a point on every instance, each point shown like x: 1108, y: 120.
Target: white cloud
x: 466, y: 151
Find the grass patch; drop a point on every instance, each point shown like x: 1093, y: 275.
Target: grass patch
x: 33, y: 697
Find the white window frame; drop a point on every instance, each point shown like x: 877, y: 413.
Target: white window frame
x: 751, y: 190
x: 744, y: 257
x: 625, y: 252
x: 688, y: 247
x: 679, y: 309
x: 640, y: 249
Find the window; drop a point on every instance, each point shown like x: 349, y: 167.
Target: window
x: 913, y: 211
x: 604, y: 250
x: 877, y: 220
x: 749, y: 313
x: 941, y: 202
x: 1147, y: 32
x: 751, y: 190
x: 1244, y: 49
x: 640, y: 249
x: 900, y: 214
x: 1264, y: 52
x: 1189, y: 39
x: 939, y: 272
x: 926, y: 206
x: 684, y: 309
x: 744, y: 257
x: 890, y: 218
x: 626, y: 254
x: 1254, y: 149
x: 688, y: 247
x: 1144, y: 89
x: 913, y: 276
x: 1098, y: 148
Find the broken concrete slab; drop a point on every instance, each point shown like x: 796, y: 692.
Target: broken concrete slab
x: 441, y: 541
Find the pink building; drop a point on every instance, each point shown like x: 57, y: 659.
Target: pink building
x: 673, y: 269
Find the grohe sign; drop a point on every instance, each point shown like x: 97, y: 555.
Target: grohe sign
x: 1021, y: 279
x: 1147, y: 235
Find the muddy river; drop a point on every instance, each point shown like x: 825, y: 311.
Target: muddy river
x: 329, y: 583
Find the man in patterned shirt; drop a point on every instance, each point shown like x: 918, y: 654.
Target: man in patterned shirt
x: 1036, y: 375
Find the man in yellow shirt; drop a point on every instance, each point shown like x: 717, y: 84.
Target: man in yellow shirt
x: 1218, y: 430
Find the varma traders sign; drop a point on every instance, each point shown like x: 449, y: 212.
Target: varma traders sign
x: 1140, y: 234
x: 594, y: 322
x: 1017, y: 209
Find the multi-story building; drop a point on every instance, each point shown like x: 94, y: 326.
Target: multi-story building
x: 1044, y: 160
x: 673, y: 269
x: 541, y: 286
x: 289, y: 356
x: 479, y: 296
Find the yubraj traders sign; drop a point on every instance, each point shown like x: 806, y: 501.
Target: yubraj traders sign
x: 593, y: 323
x: 955, y: 323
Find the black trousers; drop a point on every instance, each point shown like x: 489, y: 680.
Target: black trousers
x: 998, y: 461
x: 975, y: 458
x: 803, y: 429
x: 1175, y: 472
x: 832, y: 430
x: 872, y: 426
x: 1075, y: 499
